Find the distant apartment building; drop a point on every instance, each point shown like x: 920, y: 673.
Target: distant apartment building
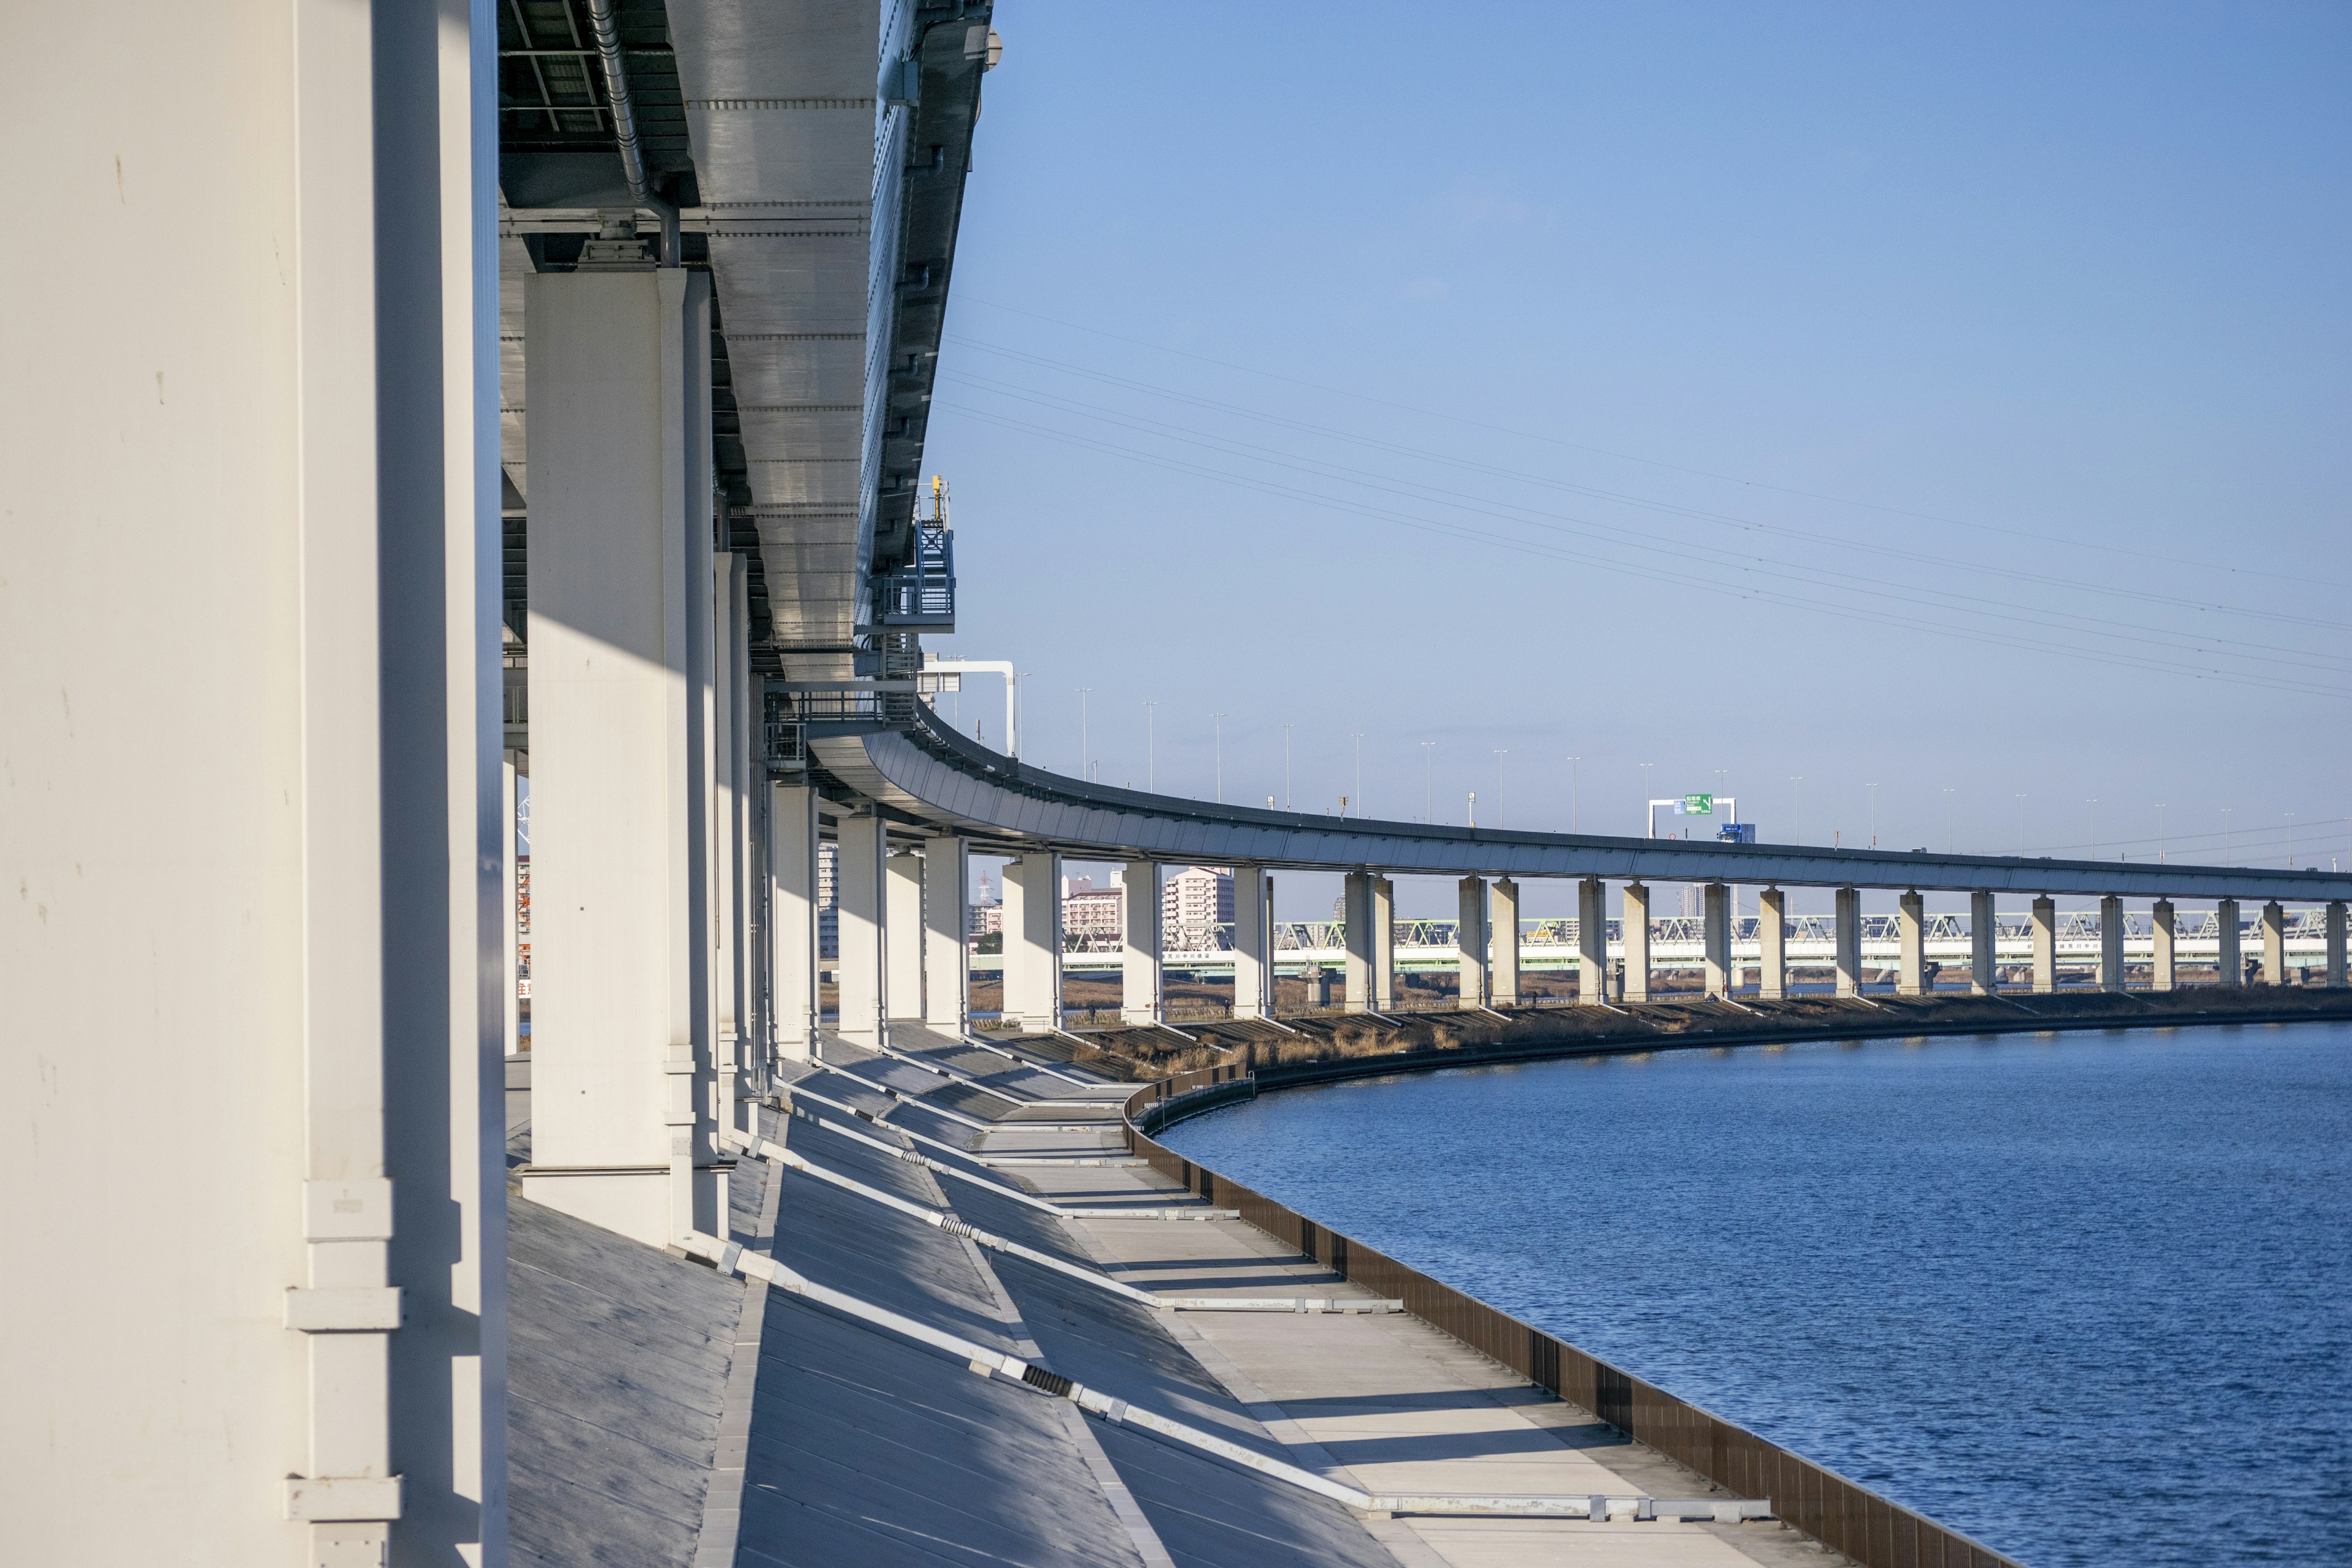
x: 828, y: 900
x: 1192, y: 904
x: 985, y: 919
x: 1091, y: 911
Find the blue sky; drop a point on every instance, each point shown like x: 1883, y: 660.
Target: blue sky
x: 1948, y: 401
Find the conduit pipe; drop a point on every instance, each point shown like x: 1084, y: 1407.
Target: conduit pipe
x: 955, y: 1226
x: 993, y: 1162
x: 731, y: 1258
x: 624, y: 128
x: 1027, y: 1200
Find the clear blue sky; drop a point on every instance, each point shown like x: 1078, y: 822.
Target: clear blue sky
x: 1947, y: 400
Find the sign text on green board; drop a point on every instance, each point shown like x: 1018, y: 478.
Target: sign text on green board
x: 1698, y: 806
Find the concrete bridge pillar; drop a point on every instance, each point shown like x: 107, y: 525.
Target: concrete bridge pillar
x: 1033, y: 941
x: 902, y: 905
x: 2336, y: 976
x: 947, y: 940
x: 1503, y: 942
x: 731, y: 840
x: 2229, y: 962
x: 2045, y: 946
x: 1911, y: 944
x: 1984, y: 935
x: 1357, y: 901
x: 1773, y: 945
x: 1592, y: 942
x: 1636, y: 931
x: 861, y: 903
x: 1848, y: 932
x: 2162, y: 976
x: 515, y: 766
x: 1140, y: 1000
x: 2274, y: 932
x: 2111, y: 944
x: 1470, y: 940
x: 1252, y: 943
x: 622, y: 600
x: 1384, y: 944
x: 793, y: 918
x: 1715, y: 917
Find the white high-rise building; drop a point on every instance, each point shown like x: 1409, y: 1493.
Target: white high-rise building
x: 1192, y: 904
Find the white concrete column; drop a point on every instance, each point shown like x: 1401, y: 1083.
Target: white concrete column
x: 2336, y: 976
x: 1252, y: 945
x: 947, y: 941
x: 1358, y: 903
x: 2111, y: 944
x: 1384, y: 944
x: 861, y: 897
x: 1984, y: 936
x: 2164, y: 975
x: 1848, y: 942
x: 1636, y: 933
x: 2274, y: 932
x: 1033, y: 941
x: 2229, y: 963
x: 792, y: 924
x: 1773, y: 945
x: 619, y: 392
x: 276, y: 460
x: 729, y: 670
x: 1140, y: 995
x: 1714, y: 920
x: 1470, y: 940
x: 903, y: 983
x: 511, y: 879
x: 1503, y: 943
x: 1911, y: 944
x: 2045, y: 946
x: 1592, y: 942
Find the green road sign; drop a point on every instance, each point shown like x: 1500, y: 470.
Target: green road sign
x: 1698, y: 806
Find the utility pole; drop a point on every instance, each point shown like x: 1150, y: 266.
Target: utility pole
x: 1220, y: 720
x: 1151, y: 747
x: 1572, y: 771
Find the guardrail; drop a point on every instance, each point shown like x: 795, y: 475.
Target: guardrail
x: 1819, y: 1501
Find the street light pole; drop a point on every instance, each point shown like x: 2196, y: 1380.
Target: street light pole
x: 1873, y: 814
x: 1220, y: 720
x: 2159, y: 833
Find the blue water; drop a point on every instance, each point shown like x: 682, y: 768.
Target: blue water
x: 2088, y: 1297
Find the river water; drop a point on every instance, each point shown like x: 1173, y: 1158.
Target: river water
x: 2088, y: 1297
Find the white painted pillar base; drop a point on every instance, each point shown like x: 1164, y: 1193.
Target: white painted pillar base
x: 2230, y: 965
x: 860, y: 899
x: 1637, y: 938
x: 793, y: 918
x: 1033, y: 942
x: 1592, y: 942
x: 1470, y: 940
x: 1984, y: 935
x: 1140, y: 991
x: 1848, y: 943
x: 1502, y: 944
x: 947, y: 946
x: 1714, y: 920
x: 1911, y: 944
x: 2045, y: 946
x: 1773, y: 945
